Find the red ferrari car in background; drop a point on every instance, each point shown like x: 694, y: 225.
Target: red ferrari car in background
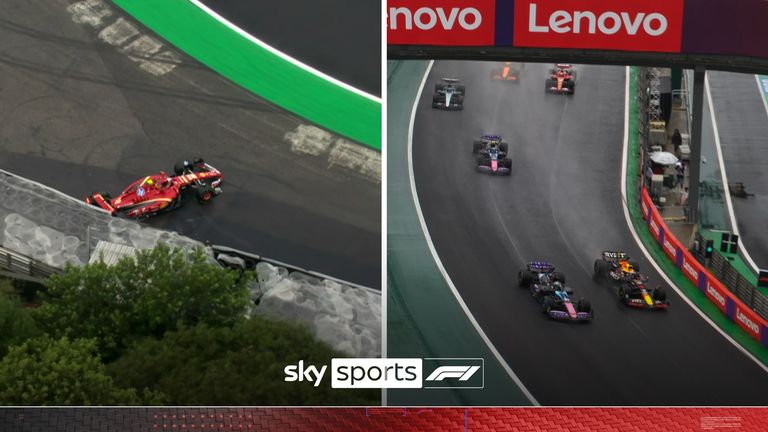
x: 160, y: 192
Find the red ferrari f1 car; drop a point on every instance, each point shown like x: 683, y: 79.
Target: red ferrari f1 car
x: 160, y: 192
x: 561, y: 80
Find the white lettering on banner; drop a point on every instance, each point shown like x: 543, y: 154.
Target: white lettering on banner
x: 747, y: 322
x: 669, y: 247
x: 376, y: 373
x: 427, y: 18
x: 609, y: 22
x: 716, y: 294
x: 654, y: 227
x: 690, y: 269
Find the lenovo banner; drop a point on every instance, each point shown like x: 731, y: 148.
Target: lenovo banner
x: 648, y: 25
x: 441, y: 22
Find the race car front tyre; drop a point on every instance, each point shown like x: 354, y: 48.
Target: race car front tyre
x: 584, y: 306
x: 600, y: 270
x: 205, y: 194
x: 524, y: 278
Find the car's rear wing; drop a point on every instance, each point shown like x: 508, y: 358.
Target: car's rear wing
x: 541, y: 267
x: 451, y: 80
x: 615, y: 256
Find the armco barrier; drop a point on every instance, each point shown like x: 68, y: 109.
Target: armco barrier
x: 716, y: 292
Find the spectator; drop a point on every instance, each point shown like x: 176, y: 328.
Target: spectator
x: 648, y: 175
x: 677, y: 140
x: 684, y: 202
x: 680, y: 170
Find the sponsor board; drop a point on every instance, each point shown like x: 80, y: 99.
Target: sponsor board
x: 746, y: 320
x: 647, y: 25
x: 716, y: 295
x: 691, y: 269
x: 669, y: 248
x: 654, y: 227
x: 441, y: 22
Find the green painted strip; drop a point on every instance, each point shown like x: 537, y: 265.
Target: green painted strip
x: 423, y: 317
x: 232, y: 55
x: 658, y: 255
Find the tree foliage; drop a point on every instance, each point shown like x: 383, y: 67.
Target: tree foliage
x: 242, y: 365
x: 44, y: 371
x: 16, y: 323
x: 157, y: 291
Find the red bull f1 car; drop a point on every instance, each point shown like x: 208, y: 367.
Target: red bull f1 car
x: 625, y: 275
x: 160, y: 192
x: 449, y: 95
x: 491, y: 154
x: 561, y: 80
x: 548, y: 288
x: 507, y: 71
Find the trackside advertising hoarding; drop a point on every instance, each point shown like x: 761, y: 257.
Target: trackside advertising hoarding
x: 715, y: 291
x: 724, y: 27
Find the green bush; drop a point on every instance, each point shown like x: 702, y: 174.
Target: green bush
x: 157, y: 291
x: 242, y: 365
x: 45, y: 371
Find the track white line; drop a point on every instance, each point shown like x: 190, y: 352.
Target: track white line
x: 435, y: 256
x: 642, y: 246
x: 724, y: 178
x: 283, y: 55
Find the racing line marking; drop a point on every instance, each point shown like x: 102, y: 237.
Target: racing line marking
x: 640, y: 244
x: 435, y: 256
x: 283, y: 55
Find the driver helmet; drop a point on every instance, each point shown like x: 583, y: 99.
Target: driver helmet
x: 560, y: 73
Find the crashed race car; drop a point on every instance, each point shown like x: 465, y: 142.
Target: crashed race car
x: 548, y: 288
x: 160, y: 192
x: 624, y: 274
x: 491, y: 154
x: 507, y: 71
x: 561, y: 80
x: 449, y: 95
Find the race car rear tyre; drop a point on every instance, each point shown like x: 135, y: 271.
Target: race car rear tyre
x: 477, y: 146
x: 659, y: 294
x: 462, y: 90
x: 504, y: 147
x: 438, y: 87
x: 560, y: 276
x: 524, y: 278
x: 205, y: 194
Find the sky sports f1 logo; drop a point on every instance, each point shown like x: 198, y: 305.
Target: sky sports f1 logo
x: 432, y: 373
x: 630, y: 25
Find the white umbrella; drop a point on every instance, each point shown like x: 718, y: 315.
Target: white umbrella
x: 664, y: 158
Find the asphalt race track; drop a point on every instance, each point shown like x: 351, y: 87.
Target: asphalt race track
x: 743, y: 126
x: 341, y: 38
x: 563, y: 204
x: 81, y: 115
